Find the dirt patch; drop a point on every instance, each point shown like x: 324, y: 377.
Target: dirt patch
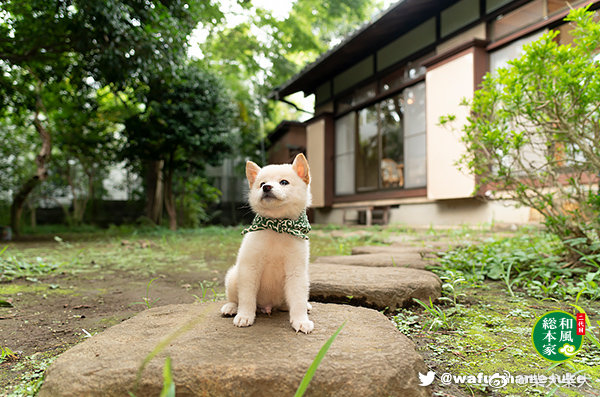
x: 53, y: 314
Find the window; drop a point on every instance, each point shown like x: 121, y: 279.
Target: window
x: 414, y: 136
x: 526, y: 15
x: 392, y: 142
x: 367, y: 153
x: 382, y: 146
x: 344, y: 154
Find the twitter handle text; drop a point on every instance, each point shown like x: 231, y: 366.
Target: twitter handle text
x: 500, y: 380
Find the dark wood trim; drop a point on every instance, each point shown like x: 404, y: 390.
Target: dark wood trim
x: 438, y: 26
x: 382, y: 195
x: 378, y: 75
x: 381, y: 96
x: 317, y: 118
x: 481, y: 60
x: 549, y: 23
x: 454, y: 53
x: 329, y: 158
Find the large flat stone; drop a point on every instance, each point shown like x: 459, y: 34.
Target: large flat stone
x: 215, y: 358
x: 381, y: 287
x: 412, y: 260
x: 388, y: 249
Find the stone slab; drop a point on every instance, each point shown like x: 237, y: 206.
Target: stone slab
x: 412, y: 260
x: 215, y: 358
x: 388, y: 249
x: 380, y: 288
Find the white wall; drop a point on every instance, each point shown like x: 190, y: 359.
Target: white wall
x: 446, y: 86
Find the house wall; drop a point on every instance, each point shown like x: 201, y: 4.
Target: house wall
x: 455, y: 45
x: 315, y: 153
x: 447, y: 84
x: 285, y: 148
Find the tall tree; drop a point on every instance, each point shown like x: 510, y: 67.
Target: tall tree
x: 113, y: 42
x: 261, y: 51
x: 188, y: 123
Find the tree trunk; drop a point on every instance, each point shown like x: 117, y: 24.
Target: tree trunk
x: 41, y: 160
x: 32, y: 216
x: 154, y: 190
x: 169, y: 199
x: 16, y: 208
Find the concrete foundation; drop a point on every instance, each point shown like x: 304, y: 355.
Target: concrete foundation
x: 440, y: 213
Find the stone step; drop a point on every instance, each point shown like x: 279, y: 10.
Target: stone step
x: 380, y: 288
x: 215, y: 358
x: 412, y: 260
x: 388, y: 249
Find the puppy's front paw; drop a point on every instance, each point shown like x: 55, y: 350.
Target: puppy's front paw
x: 229, y: 309
x: 241, y: 320
x: 305, y: 326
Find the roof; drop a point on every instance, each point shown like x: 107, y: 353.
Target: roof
x: 386, y: 27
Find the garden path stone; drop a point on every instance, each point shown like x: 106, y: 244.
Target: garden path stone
x: 380, y: 288
x: 389, y: 249
x: 412, y: 260
x: 215, y: 358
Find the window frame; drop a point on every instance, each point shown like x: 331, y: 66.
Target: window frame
x: 375, y: 101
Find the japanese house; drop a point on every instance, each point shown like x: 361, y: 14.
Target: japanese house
x: 375, y: 145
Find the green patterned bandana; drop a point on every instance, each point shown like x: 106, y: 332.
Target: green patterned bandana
x: 299, y: 227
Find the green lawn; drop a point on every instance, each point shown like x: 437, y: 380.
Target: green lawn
x: 495, y: 287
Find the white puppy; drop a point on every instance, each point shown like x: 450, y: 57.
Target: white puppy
x: 271, y: 270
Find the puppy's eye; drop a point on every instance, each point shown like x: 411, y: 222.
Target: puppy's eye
x: 284, y: 182
x: 261, y: 184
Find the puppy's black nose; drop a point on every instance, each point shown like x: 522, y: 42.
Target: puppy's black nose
x: 267, y: 188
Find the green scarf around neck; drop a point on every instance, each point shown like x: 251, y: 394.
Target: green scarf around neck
x: 298, y: 228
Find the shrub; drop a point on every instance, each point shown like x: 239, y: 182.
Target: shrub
x: 533, y: 134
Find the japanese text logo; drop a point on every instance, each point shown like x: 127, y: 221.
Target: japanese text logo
x: 557, y: 336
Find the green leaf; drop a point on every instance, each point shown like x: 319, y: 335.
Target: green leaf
x: 4, y: 303
x: 316, y: 362
x: 168, y: 389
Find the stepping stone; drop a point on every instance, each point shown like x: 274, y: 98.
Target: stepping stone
x: 215, y: 358
x: 380, y: 288
x: 388, y: 249
x: 430, y: 246
x: 412, y: 260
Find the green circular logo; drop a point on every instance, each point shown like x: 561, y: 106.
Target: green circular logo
x: 555, y: 336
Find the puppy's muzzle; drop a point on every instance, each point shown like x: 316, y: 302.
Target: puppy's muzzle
x: 267, y: 192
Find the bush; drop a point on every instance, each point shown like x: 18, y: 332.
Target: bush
x: 534, y: 133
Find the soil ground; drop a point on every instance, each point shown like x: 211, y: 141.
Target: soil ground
x: 104, y: 279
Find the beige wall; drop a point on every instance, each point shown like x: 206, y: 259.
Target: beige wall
x: 315, y: 154
x: 446, y: 85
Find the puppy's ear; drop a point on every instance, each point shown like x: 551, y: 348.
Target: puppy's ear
x: 300, y: 166
x: 252, y: 169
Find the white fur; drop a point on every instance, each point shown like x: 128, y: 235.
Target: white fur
x: 271, y: 271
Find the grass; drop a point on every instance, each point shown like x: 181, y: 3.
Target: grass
x: 147, y: 301
x: 35, y: 267
x: 493, y: 292
x: 310, y: 372
x: 493, y: 289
